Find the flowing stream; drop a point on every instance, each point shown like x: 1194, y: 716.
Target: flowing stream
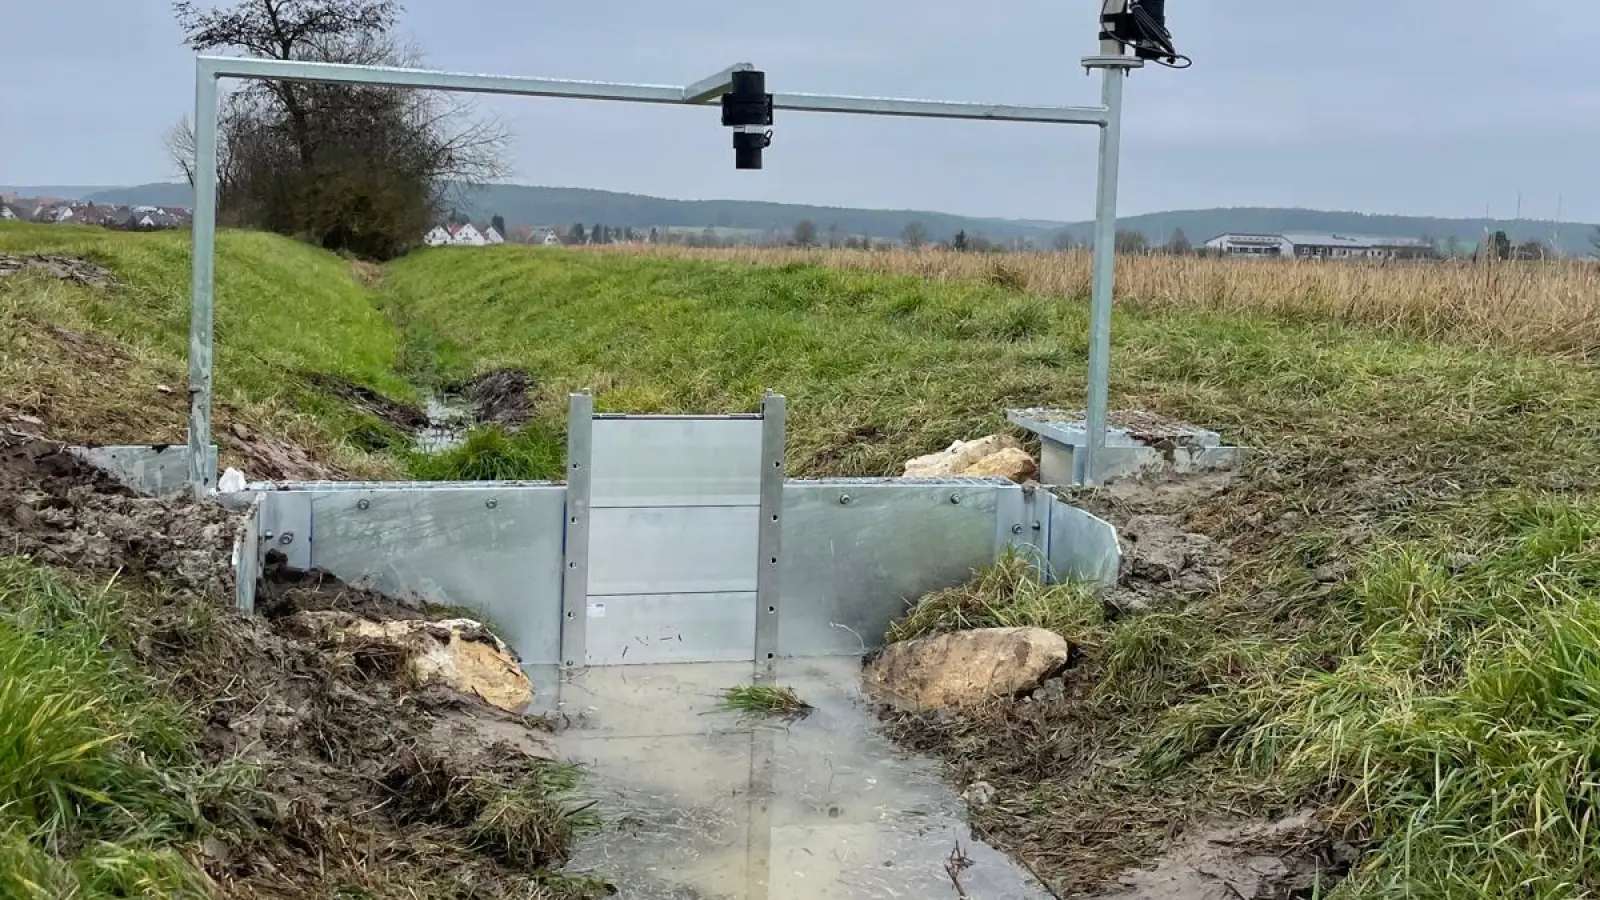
x: 702, y: 803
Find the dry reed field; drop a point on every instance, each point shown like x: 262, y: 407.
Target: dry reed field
x: 1551, y: 307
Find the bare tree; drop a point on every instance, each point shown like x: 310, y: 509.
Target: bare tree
x: 805, y: 233
x: 1132, y: 242
x: 915, y: 235
x: 352, y: 167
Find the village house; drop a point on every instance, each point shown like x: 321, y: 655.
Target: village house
x: 467, y: 235
x: 55, y: 211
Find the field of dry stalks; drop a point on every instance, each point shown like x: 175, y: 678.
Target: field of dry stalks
x: 1551, y: 307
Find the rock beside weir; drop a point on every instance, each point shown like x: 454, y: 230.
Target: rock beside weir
x: 966, y: 668
x: 459, y: 653
x: 994, y: 455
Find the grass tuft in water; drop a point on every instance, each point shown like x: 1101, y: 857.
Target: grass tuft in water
x: 765, y: 699
x: 490, y: 453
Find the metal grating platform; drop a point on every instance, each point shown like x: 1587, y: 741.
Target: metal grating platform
x: 1136, y: 442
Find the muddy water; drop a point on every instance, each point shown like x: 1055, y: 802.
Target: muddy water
x: 702, y: 804
x: 448, y: 421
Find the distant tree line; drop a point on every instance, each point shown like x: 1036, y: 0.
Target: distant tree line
x: 348, y: 167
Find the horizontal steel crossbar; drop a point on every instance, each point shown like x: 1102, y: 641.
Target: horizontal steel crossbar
x: 701, y: 92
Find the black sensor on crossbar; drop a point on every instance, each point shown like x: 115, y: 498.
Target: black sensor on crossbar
x: 747, y: 109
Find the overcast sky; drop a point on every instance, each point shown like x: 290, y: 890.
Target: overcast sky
x: 1428, y: 107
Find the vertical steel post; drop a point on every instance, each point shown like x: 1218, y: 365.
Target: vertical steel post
x: 202, y: 467
x: 575, y: 552
x: 769, y: 538
x: 1105, y: 257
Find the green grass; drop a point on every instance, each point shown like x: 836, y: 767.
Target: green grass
x: 764, y: 700
x: 1459, y: 733
x: 1009, y: 594
x: 100, y: 789
x: 488, y: 453
x: 283, y: 311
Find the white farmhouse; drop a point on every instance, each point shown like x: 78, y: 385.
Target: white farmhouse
x: 466, y: 236
x: 491, y: 236
x: 438, y: 237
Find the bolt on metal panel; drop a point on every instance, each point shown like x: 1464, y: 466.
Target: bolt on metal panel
x: 286, y: 525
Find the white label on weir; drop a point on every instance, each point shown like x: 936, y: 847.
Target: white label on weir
x: 597, y: 610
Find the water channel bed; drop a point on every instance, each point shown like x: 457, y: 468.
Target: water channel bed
x: 703, y: 803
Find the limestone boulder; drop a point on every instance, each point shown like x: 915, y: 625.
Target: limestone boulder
x: 1012, y: 462
x: 966, y: 668
x: 959, y: 456
x: 458, y: 653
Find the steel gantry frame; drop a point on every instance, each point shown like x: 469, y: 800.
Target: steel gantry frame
x: 210, y: 70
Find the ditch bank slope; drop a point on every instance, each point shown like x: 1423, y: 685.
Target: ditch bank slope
x: 1399, y: 631
x: 1399, y: 636
x: 160, y: 744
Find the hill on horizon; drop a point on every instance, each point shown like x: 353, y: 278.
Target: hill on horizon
x: 559, y: 207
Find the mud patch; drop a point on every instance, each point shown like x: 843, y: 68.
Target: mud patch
x: 1289, y: 858
x: 285, y: 591
x: 269, y: 459
x: 401, y: 415
x: 1164, y: 561
x: 497, y: 397
x: 66, y: 268
x: 90, y: 349
x: 59, y: 510
x: 335, y: 729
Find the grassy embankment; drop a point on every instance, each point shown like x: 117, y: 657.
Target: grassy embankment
x: 1437, y: 692
x: 109, y: 365
x: 107, y: 785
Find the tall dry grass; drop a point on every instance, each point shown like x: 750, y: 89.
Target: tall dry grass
x: 1552, y: 307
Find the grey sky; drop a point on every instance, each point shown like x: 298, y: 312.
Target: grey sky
x: 1339, y: 104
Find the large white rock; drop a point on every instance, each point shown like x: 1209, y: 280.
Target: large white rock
x: 966, y: 668
x: 959, y: 456
x: 459, y: 653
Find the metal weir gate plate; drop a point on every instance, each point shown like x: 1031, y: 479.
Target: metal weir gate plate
x: 672, y: 537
